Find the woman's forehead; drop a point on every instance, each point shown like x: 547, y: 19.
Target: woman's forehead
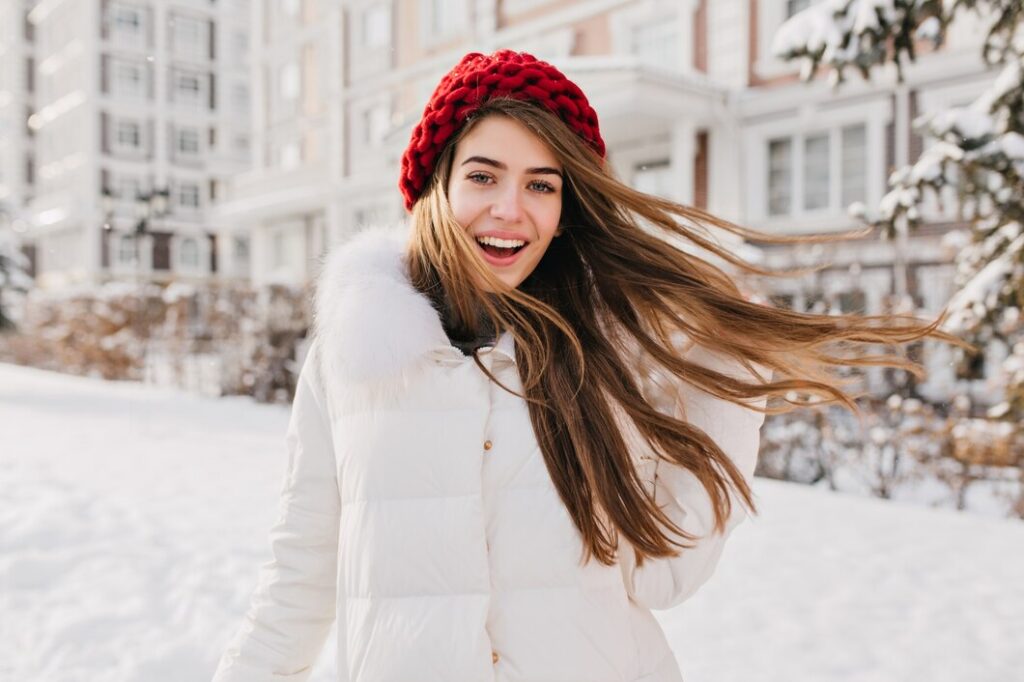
x: 506, y: 141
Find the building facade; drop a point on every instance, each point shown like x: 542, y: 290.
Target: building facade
x: 277, y: 127
x: 338, y: 86
x: 131, y: 98
x: 692, y: 106
x: 282, y: 206
x: 17, y: 100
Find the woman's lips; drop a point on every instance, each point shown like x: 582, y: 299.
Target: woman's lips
x: 500, y: 260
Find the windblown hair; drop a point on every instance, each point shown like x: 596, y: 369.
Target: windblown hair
x: 612, y: 294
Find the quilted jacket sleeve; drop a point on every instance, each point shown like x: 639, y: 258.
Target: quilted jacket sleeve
x: 664, y: 583
x: 293, y: 607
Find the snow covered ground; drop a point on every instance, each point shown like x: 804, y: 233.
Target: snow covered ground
x: 133, y: 522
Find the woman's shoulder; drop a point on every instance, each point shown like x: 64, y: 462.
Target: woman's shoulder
x: 368, y: 318
x: 374, y: 251
x: 372, y: 258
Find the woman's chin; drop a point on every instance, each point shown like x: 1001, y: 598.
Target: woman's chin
x: 503, y: 277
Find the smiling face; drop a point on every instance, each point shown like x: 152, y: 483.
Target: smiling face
x: 505, y: 190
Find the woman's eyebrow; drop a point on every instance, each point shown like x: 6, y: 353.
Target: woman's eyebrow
x: 542, y: 170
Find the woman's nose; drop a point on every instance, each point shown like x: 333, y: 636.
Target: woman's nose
x: 507, y: 205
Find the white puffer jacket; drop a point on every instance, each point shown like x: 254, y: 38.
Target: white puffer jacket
x: 418, y: 512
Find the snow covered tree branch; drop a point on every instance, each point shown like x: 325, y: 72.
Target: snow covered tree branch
x: 13, y: 277
x: 864, y: 34
x: 975, y: 153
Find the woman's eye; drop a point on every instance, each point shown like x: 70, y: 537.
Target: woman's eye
x: 536, y: 185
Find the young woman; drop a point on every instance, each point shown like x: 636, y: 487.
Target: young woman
x: 526, y: 419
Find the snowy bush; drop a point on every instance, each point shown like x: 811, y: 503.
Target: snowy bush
x: 217, y: 338
x: 904, y: 449
x: 80, y: 331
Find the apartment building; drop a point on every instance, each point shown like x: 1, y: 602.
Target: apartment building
x: 691, y: 102
x: 274, y: 222
x: 338, y: 87
x: 133, y: 99
x: 17, y: 85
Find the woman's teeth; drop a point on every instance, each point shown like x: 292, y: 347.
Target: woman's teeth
x: 501, y: 243
x: 500, y: 248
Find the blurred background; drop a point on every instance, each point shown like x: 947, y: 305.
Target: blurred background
x: 172, y: 173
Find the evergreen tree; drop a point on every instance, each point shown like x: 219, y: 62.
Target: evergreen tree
x: 13, y: 277
x: 976, y: 151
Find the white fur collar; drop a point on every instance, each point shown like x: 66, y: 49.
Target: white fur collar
x: 370, y: 322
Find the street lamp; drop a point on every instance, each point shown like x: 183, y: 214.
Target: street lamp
x: 148, y: 206
x: 107, y: 203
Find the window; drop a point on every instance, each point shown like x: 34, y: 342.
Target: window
x: 444, y: 19
x: 370, y: 215
x: 816, y: 172
x: 128, y: 188
x: 188, y: 35
x: 376, y: 121
x: 125, y: 25
x: 189, y: 84
x: 794, y: 6
x: 188, y: 195
x: 189, y: 253
x: 289, y: 81
x: 653, y: 178
x: 187, y: 87
x: 854, y: 164
x: 240, y: 46
x: 129, y: 134
x: 126, y: 249
x: 240, y: 249
x: 854, y: 301
x: 290, y: 155
x: 240, y: 96
x: 782, y: 300
x: 780, y: 172
x: 127, y: 19
x: 129, y: 78
x: 435, y: 16
x: 188, y: 141
x: 832, y: 167
x: 376, y: 26
x: 656, y: 43
x: 278, y: 257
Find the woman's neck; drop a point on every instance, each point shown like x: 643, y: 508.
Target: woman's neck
x: 463, y: 334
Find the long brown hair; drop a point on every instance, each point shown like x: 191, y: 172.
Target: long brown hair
x: 612, y: 294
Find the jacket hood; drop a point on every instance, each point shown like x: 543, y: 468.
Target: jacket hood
x: 370, y: 322
x: 369, y: 319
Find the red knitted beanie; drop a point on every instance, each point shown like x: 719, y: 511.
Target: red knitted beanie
x: 473, y: 81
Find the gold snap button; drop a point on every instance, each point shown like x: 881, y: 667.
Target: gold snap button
x: 488, y: 445
x: 494, y: 657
